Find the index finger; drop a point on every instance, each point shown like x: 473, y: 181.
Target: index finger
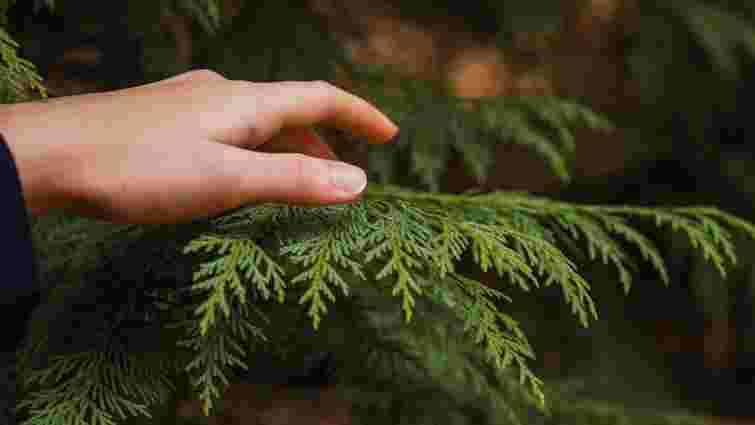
x: 307, y: 103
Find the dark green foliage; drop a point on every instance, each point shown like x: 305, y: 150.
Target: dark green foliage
x: 282, y: 50
x: 694, y: 50
x: 470, y: 130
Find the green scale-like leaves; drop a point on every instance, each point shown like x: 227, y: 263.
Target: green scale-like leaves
x: 411, y: 244
x: 240, y: 261
x: 97, y: 388
x: 411, y: 247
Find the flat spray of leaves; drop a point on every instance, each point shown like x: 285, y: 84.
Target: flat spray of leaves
x: 411, y: 244
x: 97, y: 388
x: 19, y: 79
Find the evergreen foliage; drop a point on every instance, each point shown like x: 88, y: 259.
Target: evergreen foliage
x: 19, y: 76
x: 399, y: 243
x: 393, y: 280
x: 472, y: 129
x: 707, y: 45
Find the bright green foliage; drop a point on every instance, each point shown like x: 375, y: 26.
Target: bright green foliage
x: 324, y: 255
x: 218, y: 349
x: 501, y: 348
x: 405, y: 238
x: 244, y: 258
x: 408, y: 245
x: 406, y: 371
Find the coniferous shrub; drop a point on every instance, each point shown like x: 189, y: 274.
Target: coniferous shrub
x: 392, y: 284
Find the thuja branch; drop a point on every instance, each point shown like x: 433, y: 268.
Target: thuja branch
x: 410, y: 245
x: 707, y: 228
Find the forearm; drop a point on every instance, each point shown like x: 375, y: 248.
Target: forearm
x: 41, y: 166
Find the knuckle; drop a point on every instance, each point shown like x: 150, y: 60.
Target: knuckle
x: 256, y: 132
x: 206, y: 75
x: 253, y: 132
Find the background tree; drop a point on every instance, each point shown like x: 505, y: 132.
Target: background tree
x: 446, y: 293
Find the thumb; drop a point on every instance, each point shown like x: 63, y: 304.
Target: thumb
x: 298, y: 179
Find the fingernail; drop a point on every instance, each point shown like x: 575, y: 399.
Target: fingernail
x: 348, y: 178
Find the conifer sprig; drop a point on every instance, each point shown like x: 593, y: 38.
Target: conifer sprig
x: 241, y: 260
x: 425, y: 361
x: 398, y: 241
x: 411, y: 245
x: 324, y: 256
x: 97, y: 388
x: 509, y: 345
x: 222, y: 347
x: 412, y: 241
x: 705, y: 227
x: 19, y: 79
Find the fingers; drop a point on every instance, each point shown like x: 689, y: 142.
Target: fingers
x: 300, y: 140
x: 303, y: 104
x: 293, y: 178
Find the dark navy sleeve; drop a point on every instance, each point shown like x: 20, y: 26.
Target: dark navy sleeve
x: 19, y: 289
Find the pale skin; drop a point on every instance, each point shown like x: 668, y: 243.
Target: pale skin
x: 187, y: 147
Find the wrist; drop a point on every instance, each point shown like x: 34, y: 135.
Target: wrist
x: 41, y: 167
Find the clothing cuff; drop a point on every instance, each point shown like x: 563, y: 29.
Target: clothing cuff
x: 16, y: 230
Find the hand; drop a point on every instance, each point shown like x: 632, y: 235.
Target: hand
x: 180, y: 149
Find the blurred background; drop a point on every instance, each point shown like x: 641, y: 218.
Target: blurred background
x: 675, y: 78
